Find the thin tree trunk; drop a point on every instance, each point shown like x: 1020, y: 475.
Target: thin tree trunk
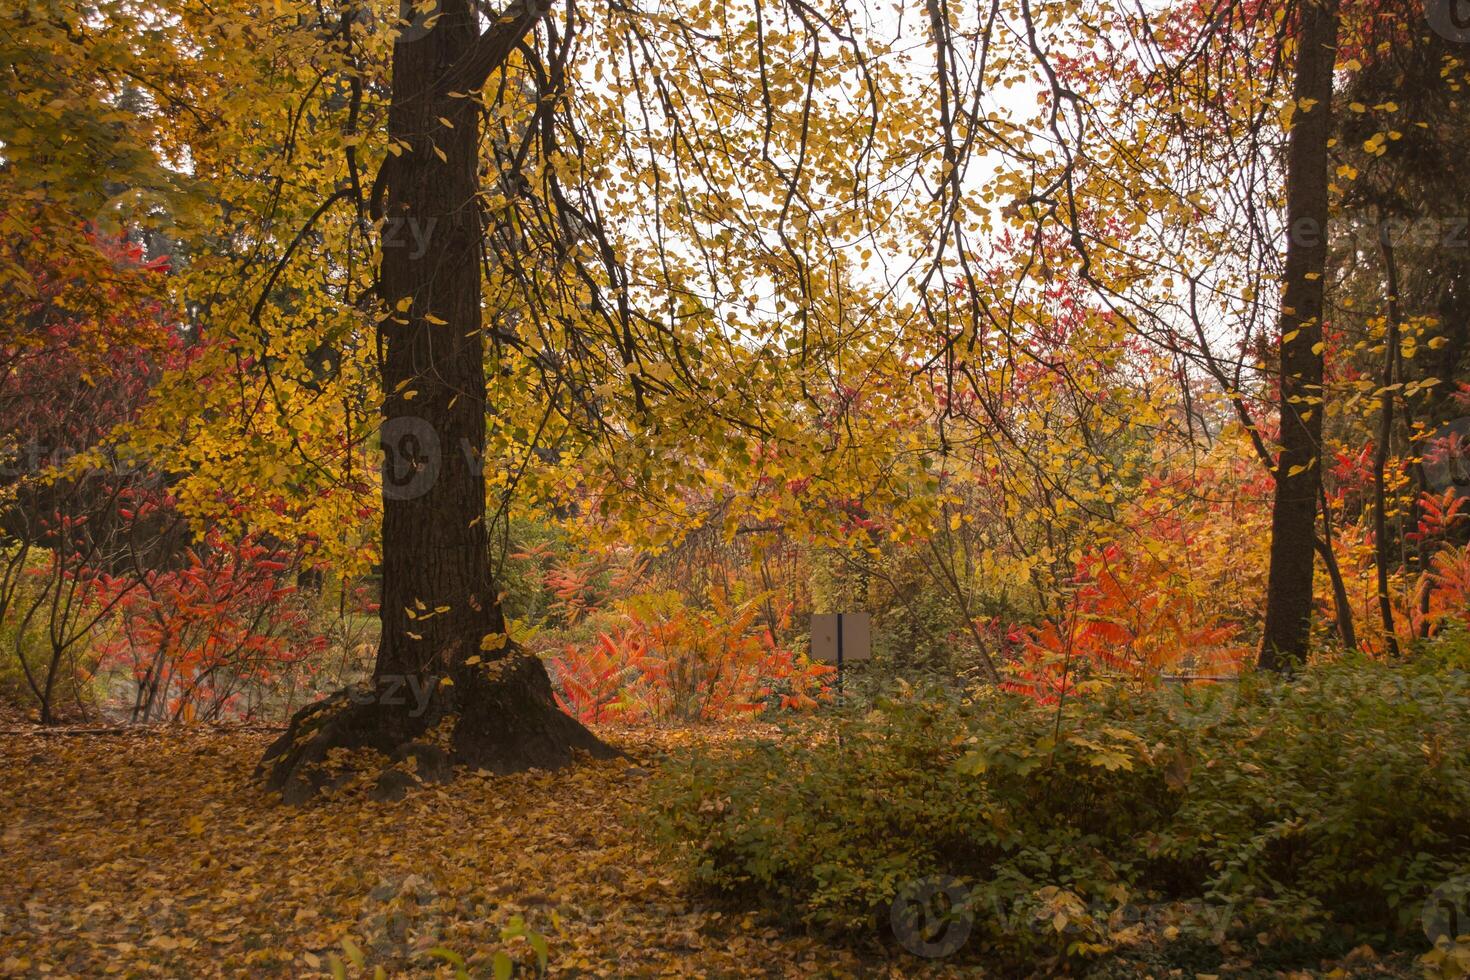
x: 1380, y: 451
x: 1340, y: 605
x: 1287, y: 630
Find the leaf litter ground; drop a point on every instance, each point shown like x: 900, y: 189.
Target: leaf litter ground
x: 156, y: 855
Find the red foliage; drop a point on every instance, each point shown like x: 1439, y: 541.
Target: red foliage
x: 1437, y: 514
x: 91, y: 332
x: 197, y: 637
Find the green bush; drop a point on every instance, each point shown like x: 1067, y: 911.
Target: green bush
x: 1320, y: 810
x: 25, y: 645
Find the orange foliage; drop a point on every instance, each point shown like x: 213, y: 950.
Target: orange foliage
x: 1449, y: 597
x: 673, y: 662
x: 1164, y: 603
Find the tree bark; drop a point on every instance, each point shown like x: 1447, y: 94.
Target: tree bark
x: 1287, y: 631
x: 1380, y: 451
x: 1340, y: 605
x: 439, y: 600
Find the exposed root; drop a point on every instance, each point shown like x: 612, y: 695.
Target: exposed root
x: 500, y: 717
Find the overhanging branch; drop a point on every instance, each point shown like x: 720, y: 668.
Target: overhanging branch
x: 492, y: 48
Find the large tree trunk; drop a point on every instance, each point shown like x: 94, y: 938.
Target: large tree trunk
x: 439, y: 602
x: 1287, y: 630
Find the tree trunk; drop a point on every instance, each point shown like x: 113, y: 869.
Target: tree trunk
x: 1287, y: 630
x: 1340, y: 604
x: 1380, y: 451
x: 439, y: 602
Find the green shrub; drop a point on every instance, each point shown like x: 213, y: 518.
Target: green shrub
x: 1321, y: 810
x: 25, y: 644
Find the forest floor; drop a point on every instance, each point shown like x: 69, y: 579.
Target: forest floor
x: 155, y: 854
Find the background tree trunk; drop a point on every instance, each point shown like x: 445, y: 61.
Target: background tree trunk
x: 1287, y: 631
x: 1380, y: 451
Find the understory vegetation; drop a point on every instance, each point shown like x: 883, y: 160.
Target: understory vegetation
x: 1277, y: 819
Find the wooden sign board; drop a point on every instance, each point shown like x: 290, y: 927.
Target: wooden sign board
x: 856, y: 633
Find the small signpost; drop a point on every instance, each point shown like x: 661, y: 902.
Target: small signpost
x: 840, y: 637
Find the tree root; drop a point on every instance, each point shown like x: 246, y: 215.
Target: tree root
x: 500, y: 717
